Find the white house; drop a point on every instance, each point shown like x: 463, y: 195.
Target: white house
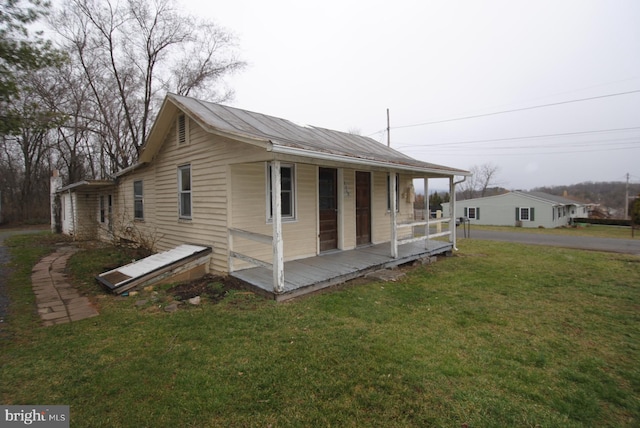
x: 521, y: 209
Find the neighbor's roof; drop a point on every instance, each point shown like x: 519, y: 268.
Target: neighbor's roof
x: 283, y: 136
x: 540, y: 196
x: 552, y: 198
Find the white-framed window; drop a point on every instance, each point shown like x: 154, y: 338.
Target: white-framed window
x: 287, y: 192
x: 397, y: 192
x: 525, y: 214
x: 184, y: 191
x: 138, y: 200
x: 472, y: 213
x: 182, y: 129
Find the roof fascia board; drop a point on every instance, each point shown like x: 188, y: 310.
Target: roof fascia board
x: 85, y: 183
x: 284, y: 150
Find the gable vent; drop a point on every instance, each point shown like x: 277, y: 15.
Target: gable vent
x: 182, y: 129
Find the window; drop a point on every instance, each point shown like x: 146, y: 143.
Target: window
x: 287, y: 192
x: 525, y: 214
x: 102, y: 209
x: 181, y: 127
x: 138, y: 200
x: 109, y: 211
x: 397, y: 192
x: 472, y: 213
x: 184, y: 191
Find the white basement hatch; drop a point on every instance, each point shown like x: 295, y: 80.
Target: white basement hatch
x: 128, y: 276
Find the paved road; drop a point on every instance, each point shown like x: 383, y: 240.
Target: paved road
x: 626, y: 246
x: 4, y: 270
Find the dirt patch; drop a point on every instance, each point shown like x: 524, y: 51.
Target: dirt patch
x: 213, y: 287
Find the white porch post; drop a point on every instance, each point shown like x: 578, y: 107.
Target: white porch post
x: 427, y: 212
x: 394, y: 220
x: 452, y: 211
x: 276, y: 216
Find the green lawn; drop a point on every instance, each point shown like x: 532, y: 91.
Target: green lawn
x: 596, y: 231
x: 498, y: 335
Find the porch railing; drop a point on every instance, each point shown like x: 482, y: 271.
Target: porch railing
x: 427, y: 224
x: 251, y: 236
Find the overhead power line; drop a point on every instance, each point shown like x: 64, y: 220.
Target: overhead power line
x: 492, y: 140
x: 516, y: 110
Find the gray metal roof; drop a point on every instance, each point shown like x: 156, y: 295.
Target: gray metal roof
x: 553, y: 198
x: 284, y: 133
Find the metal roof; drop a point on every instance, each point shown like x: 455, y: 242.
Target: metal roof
x: 286, y: 135
x: 554, y: 198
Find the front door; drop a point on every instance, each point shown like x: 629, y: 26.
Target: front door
x: 328, y: 208
x: 363, y: 208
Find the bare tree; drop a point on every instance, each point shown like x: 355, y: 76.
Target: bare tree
x: 483, y: 178
x: 129, y: 51
x: 29, y: 146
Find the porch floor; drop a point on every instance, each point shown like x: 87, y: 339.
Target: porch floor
x: 315, y: 273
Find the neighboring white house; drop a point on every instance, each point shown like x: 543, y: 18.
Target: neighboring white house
x: 521, y: 209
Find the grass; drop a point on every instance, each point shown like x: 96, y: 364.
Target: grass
x: 498, y: 335
x: 595, y: 231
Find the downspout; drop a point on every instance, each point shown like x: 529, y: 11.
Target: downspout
x: 452, y: 221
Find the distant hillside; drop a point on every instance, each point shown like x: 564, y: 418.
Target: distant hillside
x: 609, y: 195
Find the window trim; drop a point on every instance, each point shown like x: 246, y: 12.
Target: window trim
x: 138, y: 197
x: 397, y: 192
x: 476, y: 213
x: 182, y: 192
x: 294, y: 193
x: 530, y: 213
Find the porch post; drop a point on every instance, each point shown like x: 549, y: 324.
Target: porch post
x: 427, y: 212
x: 276, y: 216
x: 452, y: 211
x: 394, y: 220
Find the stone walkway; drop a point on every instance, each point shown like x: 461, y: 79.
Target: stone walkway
x: 57, y: 301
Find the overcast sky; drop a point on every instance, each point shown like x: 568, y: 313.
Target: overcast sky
x: 341, y: 64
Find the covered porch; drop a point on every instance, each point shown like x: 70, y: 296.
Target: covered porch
x: 315, y: 273
x: 400, y: 237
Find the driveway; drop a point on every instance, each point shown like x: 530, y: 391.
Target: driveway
x: 4, y: 269
x: 626, y: 246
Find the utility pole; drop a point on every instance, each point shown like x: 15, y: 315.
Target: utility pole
x: 388, y: 130
x: 626, y: 199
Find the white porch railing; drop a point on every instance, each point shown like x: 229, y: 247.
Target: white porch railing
x: 427, y: 225
x: 251, y: 236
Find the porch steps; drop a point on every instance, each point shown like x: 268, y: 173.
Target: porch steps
x: 184, y: 262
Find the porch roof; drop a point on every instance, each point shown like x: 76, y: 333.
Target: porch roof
x: 88, y: 184
x: 285, y: 137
